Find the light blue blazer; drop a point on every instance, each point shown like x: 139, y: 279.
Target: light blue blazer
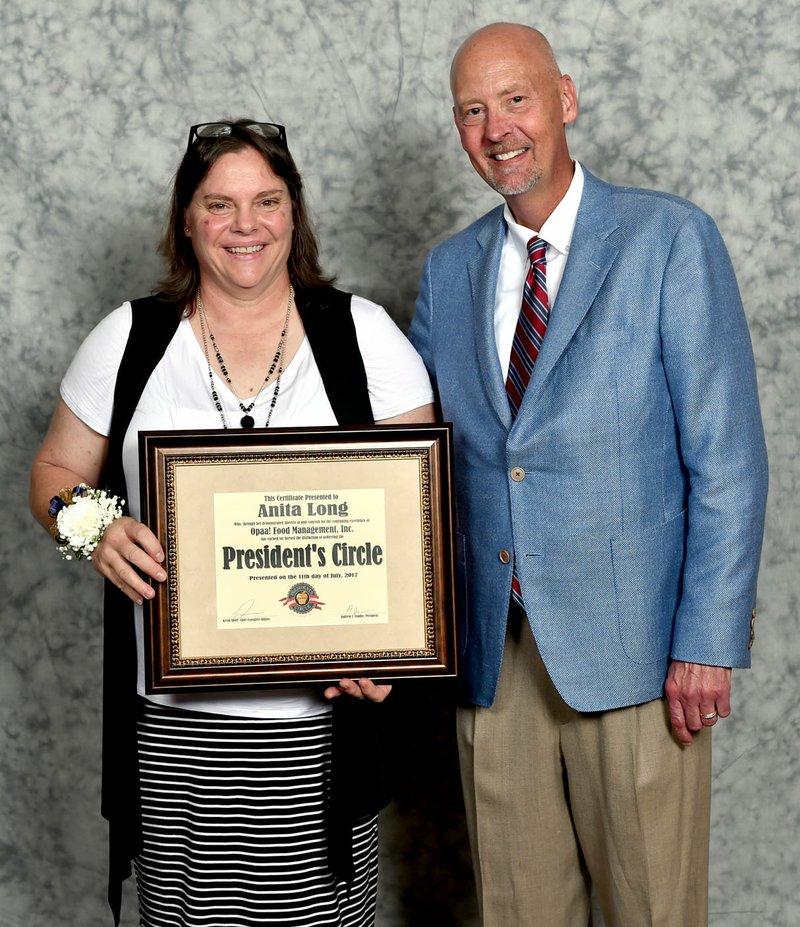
x: 638, y: 518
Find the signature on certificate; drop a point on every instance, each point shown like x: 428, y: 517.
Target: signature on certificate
x: 353, y: 611
x: 245, y: 611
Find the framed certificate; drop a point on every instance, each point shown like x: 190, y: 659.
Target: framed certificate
x: 299, y: 555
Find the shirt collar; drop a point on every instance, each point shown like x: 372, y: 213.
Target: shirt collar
x: 559, y: 225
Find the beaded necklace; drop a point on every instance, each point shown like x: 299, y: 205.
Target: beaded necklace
x: 247, y: 420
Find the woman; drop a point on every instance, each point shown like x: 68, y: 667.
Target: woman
x: 220, y: 799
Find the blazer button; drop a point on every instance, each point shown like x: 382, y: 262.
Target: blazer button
x: 517, y: 474
x: 505, y: 556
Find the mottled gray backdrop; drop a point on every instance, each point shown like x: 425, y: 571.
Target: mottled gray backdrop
x: 697, y: 97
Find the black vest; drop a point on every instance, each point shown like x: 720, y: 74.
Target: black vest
x: 329, y: 326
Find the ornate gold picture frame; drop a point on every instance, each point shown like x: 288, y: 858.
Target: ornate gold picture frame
x: 299, y: 555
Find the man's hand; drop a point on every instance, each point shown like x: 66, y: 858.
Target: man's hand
x: 697, y: 696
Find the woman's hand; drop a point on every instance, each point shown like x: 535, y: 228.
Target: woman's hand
x: 358, y: 688
x: 127, y: 546
x: 73, y: 453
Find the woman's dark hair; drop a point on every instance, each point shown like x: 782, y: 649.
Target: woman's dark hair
x: 182, y: 280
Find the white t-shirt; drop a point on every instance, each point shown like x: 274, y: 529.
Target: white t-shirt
x: 178, y: 395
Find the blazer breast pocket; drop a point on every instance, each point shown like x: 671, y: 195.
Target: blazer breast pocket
x: 647, y: 578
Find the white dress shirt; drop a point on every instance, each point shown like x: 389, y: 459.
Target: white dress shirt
x: 557, y: 232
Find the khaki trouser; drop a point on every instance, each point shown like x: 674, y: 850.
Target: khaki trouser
x: 559, y: 802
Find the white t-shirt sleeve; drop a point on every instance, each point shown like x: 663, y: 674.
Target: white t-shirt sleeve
x: 88, y: 384
x: 397, y: 379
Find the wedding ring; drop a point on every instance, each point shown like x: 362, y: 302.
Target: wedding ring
x: 709, y: 716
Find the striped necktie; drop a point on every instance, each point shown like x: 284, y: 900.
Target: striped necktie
x: 531, y: 326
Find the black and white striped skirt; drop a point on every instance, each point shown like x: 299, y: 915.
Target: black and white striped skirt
x: 233, y: 819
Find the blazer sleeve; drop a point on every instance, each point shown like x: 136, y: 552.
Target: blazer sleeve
x: 711, y: 377
x: 419, y: 333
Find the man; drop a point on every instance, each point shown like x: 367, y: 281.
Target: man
x: 611, y: 479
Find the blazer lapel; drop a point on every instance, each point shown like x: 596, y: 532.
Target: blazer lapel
x: 590, y: 258
x: 483, y: 268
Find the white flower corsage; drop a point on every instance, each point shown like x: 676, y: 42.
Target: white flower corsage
x: 81, y: 516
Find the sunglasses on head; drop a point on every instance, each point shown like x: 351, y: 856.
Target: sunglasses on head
x: 210, y: 130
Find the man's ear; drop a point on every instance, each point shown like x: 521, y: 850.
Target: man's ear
x: 569, y: 99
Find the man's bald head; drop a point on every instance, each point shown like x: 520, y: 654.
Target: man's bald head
x: 511, y: 105
x: 502, y: 36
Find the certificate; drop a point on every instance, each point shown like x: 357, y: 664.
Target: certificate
x: 299, y: 555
